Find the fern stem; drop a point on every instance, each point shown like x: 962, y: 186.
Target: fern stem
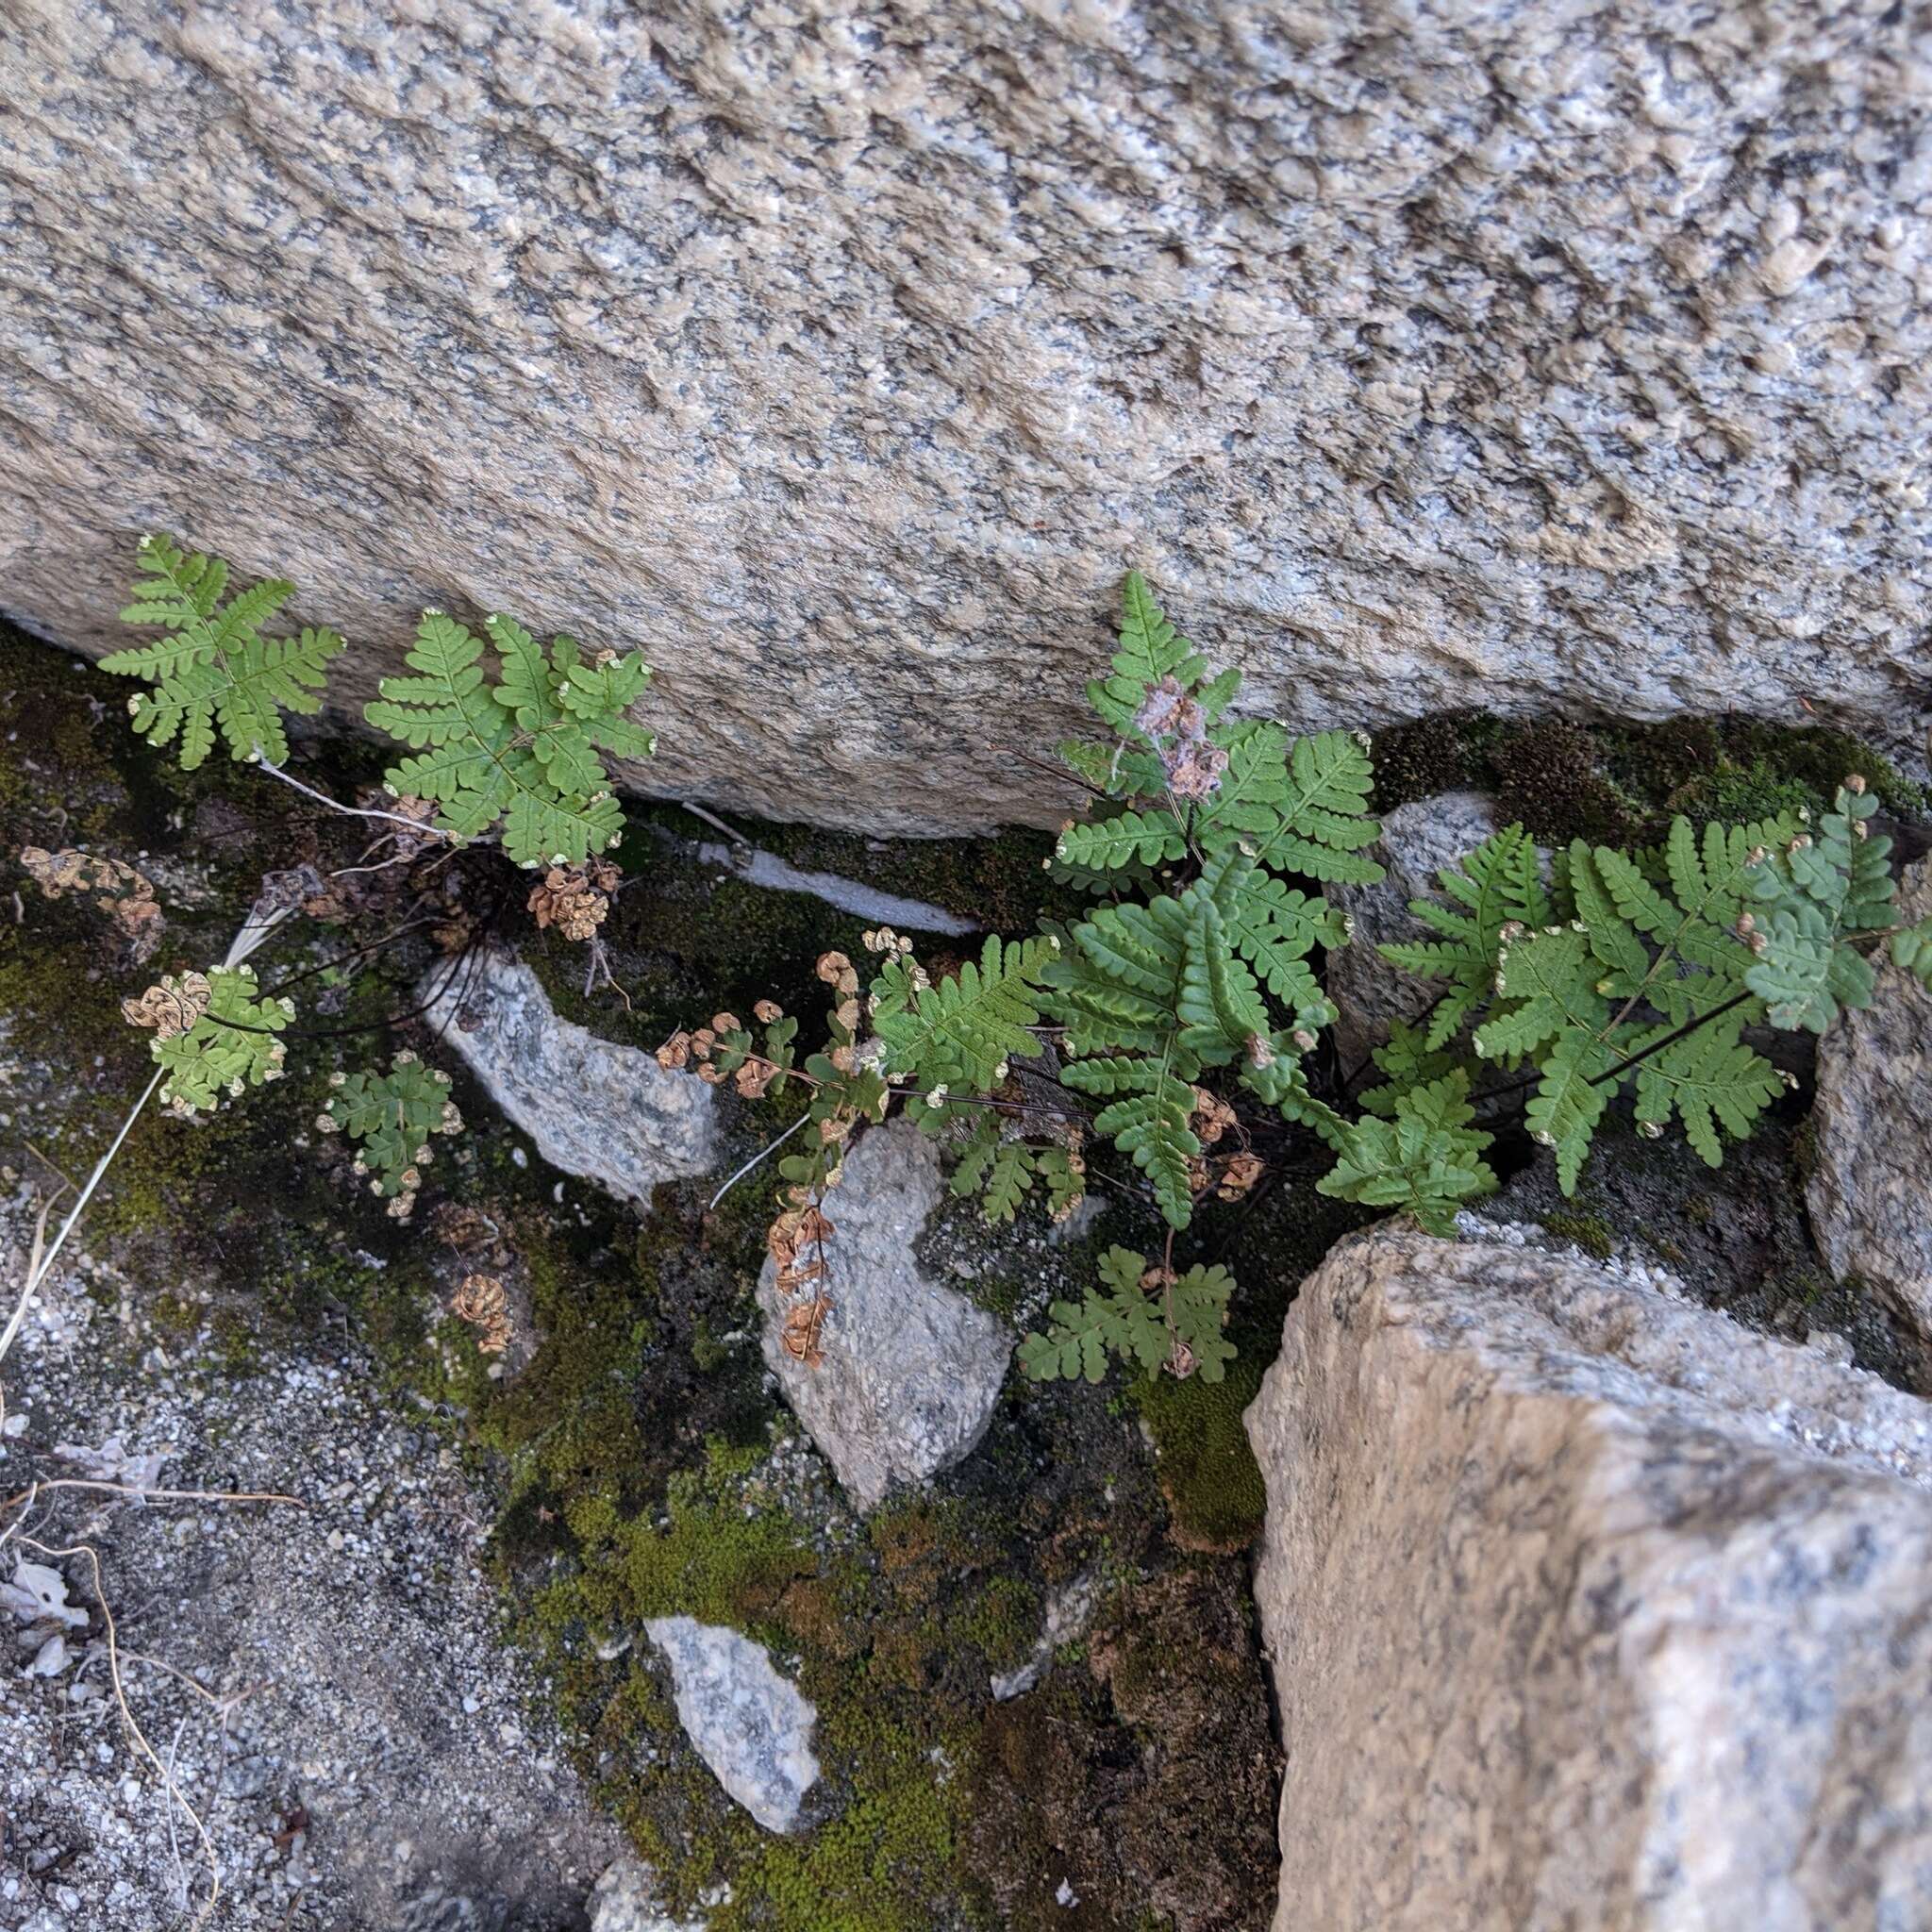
x: 771, y: 1147
x: 352, y: 811
x: 37, y: 1269
x: 1623, y: 1066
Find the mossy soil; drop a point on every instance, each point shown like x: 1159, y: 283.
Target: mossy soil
x: 641, y: 1462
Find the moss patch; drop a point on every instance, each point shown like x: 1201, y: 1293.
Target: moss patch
x: 1623, y: 783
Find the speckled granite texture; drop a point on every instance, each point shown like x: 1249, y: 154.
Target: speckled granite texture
x: 1587, y: 1609
x: 840, y: 357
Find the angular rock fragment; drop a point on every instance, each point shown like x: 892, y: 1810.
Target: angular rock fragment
x: 1585, y: 1607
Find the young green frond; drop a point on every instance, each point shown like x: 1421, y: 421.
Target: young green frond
x: 1140, y: 1316
x: 391, y: 1116
x: 214, y: 671
x: 214, y: 1033
x: 1496, y: 886
x: 963, y: 1032
x: 1425, y: 1159
x: 526, y: 753
x: 1813, y: 896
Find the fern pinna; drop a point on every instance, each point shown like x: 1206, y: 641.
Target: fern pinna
x: 526, y: 751
x: 214, y: 670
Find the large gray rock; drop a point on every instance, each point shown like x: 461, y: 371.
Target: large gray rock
x: 911, y: 1368
x: 1587, y: 1609
x: 1427, y: 354
x: 594, y: 1107
x: 1419, y: 841
x: 1868, y: 1191
x: 751, y: 1726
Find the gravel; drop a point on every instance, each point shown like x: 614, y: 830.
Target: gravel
x: 324, y: 1684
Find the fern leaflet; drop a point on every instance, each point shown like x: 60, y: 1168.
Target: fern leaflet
x: 214, y: 670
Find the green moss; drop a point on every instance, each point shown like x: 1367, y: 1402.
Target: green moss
x: 1207, y: 1471
x: 1004, y: 1622
x: 1589, y: 1232
x: 1622, y: 783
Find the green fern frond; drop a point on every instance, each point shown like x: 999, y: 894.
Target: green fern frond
x: 1218, y: 1004
x: 524, y: 753
x: 1709, y: 1078
x: 1134, y: 838
x: 391, y: 1116
x: 231, y: 1047
x: 962, y: 1032
x: 1305, y: 811
x: 1425, y: 1159
x: 1550, y: 978
x: 1912, y: 950
x: 1811, y: 897
x: 214, y: 671
x: 1497, y: 884
x: 1569, y: 1100
x: 1118, y: 1319
x: 1174, y: 1325
x: 1150, y: 649
x: 1148, y: 1121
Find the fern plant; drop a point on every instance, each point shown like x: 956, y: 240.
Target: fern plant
x: 525, y: 752
x: 1818, y: 899
x: 214, y: 1035
x: 1161, y: 988
x: 1148, y: 1316
x: 391, y: 1116
x: 214, y: 671
x: 1643, y: 972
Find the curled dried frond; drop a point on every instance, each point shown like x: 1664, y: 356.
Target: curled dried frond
x: 171, y: 1008
x: 676, y: 1051
x: 1211, y: 1118
x: 836, y: 969
x: 1239, y: 1173
x: 803, y: 1330
x: 483, y: 1304
x: 574, y: 898
x: 116, y: 888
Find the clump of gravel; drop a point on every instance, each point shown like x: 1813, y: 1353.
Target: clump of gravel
x: 324, y: 1685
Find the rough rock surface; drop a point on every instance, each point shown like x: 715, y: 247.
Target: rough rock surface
x: 841, y: 357
x: 1585, y: 1607
x: 911, y: 1368
x: 594, y: 1107
x: 362, y: 1750
x: 1419, y: 839
x: 751, y: 1726
x: 626, y: 1900
x: 1873, y: 1121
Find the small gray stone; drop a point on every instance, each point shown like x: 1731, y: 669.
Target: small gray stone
x: 624, y: 1899
x: 1868, y: 1189
x: 1069, y: 1610
x: 608, y: 1113
x: 1585, y: 1607
x: 1418, y: 840
x: 751, y: 1726
x: 911, y: 1368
